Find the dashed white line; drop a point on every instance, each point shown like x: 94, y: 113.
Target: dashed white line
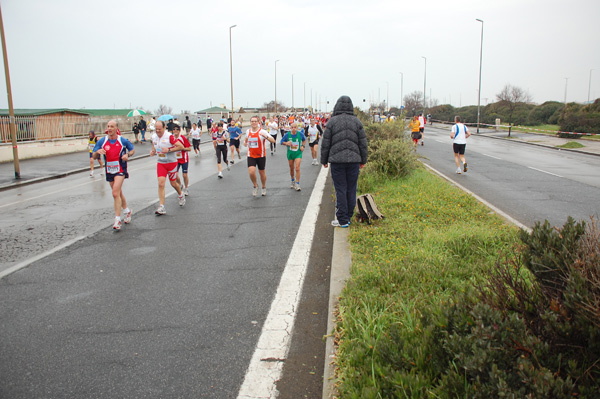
x: 274, y: 343
x: 491, y: 156
x: 543, y: 171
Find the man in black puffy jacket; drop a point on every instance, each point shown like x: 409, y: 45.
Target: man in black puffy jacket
x: 344, y: 147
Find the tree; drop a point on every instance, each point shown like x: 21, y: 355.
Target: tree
x: 511, y: 97
x: 413, y: 103
x: 163, y: 109
x: 270, y: 106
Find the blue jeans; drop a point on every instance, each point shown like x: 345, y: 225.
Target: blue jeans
x: 345, y: 179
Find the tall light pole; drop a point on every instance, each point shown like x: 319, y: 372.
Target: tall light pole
x: 480, y: 59
x: 11, y: 112
x: 590, y: 85
x: 231, y: 67
x: 304, y: 108
x: 401, y: 89
x: 388, y: 96
x: 424, y: 86
x: 566, y: 81
x: 276, y: 61
x: 293, y: 91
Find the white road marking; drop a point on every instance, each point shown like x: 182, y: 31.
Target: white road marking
x: 274, y: 343
x: 491, y: 156
x: 543, y: 171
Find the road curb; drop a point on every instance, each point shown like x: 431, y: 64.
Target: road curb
x: 538, y: 144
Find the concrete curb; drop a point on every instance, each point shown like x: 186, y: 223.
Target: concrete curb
x: 341, y: 262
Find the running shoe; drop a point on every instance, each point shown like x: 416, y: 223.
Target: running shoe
x: 239, y: 156
x: 465, y: 167
x: 182, y: 200
x: 231, y: 162
x: 91, y: 174
x: 127, y: 218
x: 185, y: 191
x: 458, y: 171
x: 421, y: 142
x: 117, y: 225
x: 297, y: 187
x: 255, y: 191
x: 335, y: 223
x: 161, y: 210
x: 228, y: 167
x: 293, y: 184
x: 264, y: 192
x: 220, y: 175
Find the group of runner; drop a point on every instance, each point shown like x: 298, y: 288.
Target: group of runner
x: 172, y: 149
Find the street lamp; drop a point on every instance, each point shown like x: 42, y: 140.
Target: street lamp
x: 231, y: 68
x: 424, y: 85
x: 276, y: 61
x: 480, y: 59
x: 590, y: 85
x: 566, y: 81
x: 304, y: 109
x: 401, y: 89
x: 388, y: 96
x: 293, y: 91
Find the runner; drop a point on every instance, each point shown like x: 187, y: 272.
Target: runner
x: 92, y: 140
x: 422, y: 126
x: 313, y: 132
x: 295, y: 143
x: 220, y: 139
x: 273, y: 130
x: 460, y: 134
x: 116, y: 151
x: 255, y: 141
x: 234, y: 140
x: 164, y: 145
x: 183, y: 159
x: 196, y: 134
x: 415, y: 131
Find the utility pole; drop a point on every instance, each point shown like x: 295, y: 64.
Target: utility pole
x: 276, y: 61
x: 11, y: 110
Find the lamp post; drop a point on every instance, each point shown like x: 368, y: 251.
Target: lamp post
x: 388, y: 96
x: 231, y: 68
x: 401, y: 89
x: 293, y: 91
x: 276, y: 61
x: 11, y: 112
x: 566, y: 81
x: 590, y: 85
x: 480, y: 59
x: 304, y: 108
x: 424, y: 86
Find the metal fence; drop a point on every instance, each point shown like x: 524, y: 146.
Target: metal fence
x: 43, y: 127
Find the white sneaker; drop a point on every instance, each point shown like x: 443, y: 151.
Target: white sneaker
x: 264, y: 192
x: 182, y: 200
x: 293, y: 184
x: 228, y: 167
x: 91, y: 174
x: 255, y: 191
x: 297, y: 187
x: 185, y: 191
x: 161, y: 210
x: 458, y: 171
x: 117, y: 225
x: 127, y: 218
x: 220, y: 175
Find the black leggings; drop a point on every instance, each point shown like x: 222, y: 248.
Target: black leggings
x: 273, y: 145
x: 221, y: 149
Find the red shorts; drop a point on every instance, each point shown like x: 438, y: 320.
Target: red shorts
x: 167, y: 169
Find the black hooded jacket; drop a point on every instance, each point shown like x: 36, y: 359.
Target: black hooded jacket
x: 344, y: 140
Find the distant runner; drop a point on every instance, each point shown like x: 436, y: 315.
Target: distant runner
x: 183, y: 159
x: 422, y: 126
x: 234, y: 140
x: 92, y: 140
x: 459, y: 136
x: 295, y: 141
x: 273, y: 130
x: 255, y: 141
x: 196, y: 134
x: 313, y: 132
x: 116, y: 151
x: 220, y: 140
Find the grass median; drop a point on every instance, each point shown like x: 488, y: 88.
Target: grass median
x: 434, y: 242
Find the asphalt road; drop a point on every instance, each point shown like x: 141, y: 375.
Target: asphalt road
x: 169, y: 307
x: 528, y: 182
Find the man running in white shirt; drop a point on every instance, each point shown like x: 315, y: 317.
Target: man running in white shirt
x: 459, y: 136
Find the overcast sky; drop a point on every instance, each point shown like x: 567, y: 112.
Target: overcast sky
x: 131, y: 53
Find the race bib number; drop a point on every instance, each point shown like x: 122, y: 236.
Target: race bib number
x: 295, y: 145
x: 253, y: 142
x: 113, y: 167
x: 92, y: 146
x: 178, y: 155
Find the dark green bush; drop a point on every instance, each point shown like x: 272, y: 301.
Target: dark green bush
x: 541, y: 114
